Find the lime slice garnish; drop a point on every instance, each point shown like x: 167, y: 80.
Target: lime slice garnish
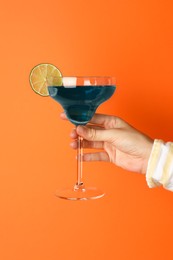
x: 44, y: 75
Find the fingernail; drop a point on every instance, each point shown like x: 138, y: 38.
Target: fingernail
x: 80, y: 129
x: 73, y: 133
x: 73, y: 145
x: 62, y: 115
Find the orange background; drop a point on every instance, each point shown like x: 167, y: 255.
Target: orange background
x: 131, y: 40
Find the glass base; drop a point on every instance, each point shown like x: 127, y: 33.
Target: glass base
x: 79, y: 192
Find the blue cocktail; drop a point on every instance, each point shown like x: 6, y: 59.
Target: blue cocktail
x: 80, y: 97
x: 80, y: 102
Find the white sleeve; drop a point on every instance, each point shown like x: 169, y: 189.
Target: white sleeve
x: 160, y: 165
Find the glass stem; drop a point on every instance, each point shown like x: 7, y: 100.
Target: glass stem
x: 79, y: 183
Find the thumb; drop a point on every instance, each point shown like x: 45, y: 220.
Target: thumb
x: 92, y: 134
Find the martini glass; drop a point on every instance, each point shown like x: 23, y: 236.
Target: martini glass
x: 80, y: 97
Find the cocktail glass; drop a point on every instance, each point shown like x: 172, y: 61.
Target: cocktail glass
x: 80, y: 97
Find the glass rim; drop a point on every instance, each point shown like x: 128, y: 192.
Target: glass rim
x: 82, y: 76
x: 82, y: 80
x: 99, y: 78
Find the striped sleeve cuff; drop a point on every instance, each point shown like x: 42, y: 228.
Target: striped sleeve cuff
x: 160, y: 165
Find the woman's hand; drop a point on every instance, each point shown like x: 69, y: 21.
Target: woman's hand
x: 117, y: 141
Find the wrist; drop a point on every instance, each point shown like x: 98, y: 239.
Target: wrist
x: 147, y: 154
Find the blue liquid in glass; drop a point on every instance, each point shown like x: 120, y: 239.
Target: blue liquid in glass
x: 81, y: 102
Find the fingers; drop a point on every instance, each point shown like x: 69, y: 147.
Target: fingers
x: 103, y: 128
x: 88, y: 144
x: 85, y: 143
x: 92, y: 134
x: 74, y: 134
x: 92, y: 157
